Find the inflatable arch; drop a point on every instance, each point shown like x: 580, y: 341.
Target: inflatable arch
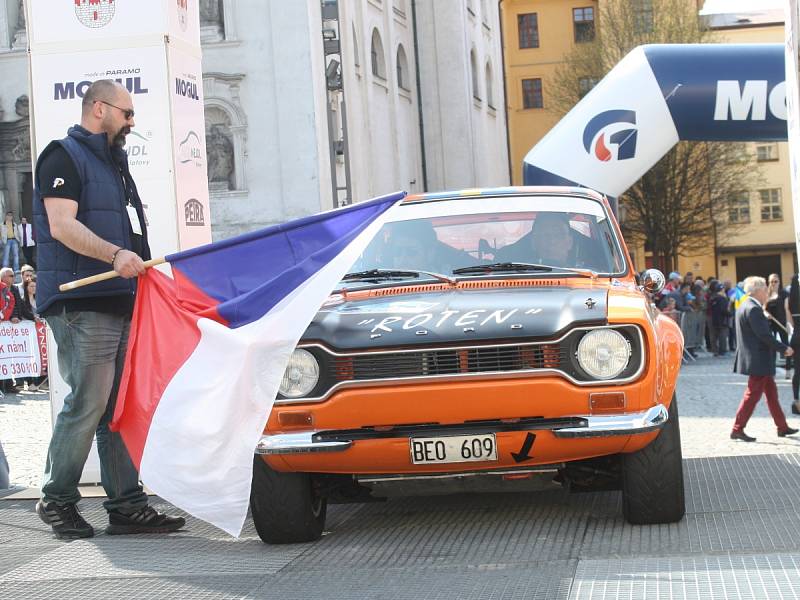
x: 655, y: 97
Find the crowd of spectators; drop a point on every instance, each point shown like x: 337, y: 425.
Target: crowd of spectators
x: 705, y: 309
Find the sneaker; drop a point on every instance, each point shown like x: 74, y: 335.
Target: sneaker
x: 66, y: 521
x: 144, y: 520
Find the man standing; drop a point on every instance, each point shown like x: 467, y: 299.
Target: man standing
x: 755, y: 356
x: 28, y: 244
x: 11, y: 244
x: 88, y: 216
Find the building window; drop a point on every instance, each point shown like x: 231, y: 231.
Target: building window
x: 766, y: 152
x: 583, y: 22
x: 402, y: 69
x: 528, y: 27
x: 585, y: 84
x: 473, y: 65
x: 771, y: 204
x: 643, y: 16
x: 532, y: 93
x: 739, y: 207
x: 489, y: 85
x: 378, y: 60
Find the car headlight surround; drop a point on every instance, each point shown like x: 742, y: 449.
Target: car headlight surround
x: 301, y: 374
x: 603, y: 353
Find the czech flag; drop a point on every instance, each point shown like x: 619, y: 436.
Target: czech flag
x: 208, y: 348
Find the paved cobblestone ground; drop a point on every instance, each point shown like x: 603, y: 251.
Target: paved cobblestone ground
x: 738, y: 539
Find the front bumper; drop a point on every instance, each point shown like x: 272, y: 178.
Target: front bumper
x: 569, y: 427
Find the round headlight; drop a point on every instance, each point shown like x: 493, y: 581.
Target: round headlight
x: 301, y: 374
x: 603, y: 353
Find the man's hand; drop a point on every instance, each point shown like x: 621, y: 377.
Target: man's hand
x: 788, y: 352
x: 128, y: 264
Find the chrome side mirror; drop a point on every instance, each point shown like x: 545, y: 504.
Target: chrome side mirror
x: 653, y: 281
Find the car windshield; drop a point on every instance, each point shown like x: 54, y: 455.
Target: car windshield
x: 453, y: 235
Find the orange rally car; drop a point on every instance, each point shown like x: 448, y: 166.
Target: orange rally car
x: 484, y: 339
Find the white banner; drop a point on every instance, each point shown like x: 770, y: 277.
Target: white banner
x: 19, y: 350
x: 59, y: 82
x: 83, y: 22
x: 563, y: 150
x: 189, y: 141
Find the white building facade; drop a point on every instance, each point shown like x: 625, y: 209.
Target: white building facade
x: 414, y: 102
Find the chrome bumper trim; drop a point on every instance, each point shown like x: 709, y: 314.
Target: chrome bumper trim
x: 293, y: 443
x: 597, y: 426
x: 624, y: 424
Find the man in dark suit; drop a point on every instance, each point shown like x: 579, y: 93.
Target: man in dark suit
x: 755, y: 356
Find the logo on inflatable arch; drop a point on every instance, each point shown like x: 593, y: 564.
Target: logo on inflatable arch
x: 609, y: 135
x: 94, y: 13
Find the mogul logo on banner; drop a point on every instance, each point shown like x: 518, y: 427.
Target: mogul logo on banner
x: 130, y: 77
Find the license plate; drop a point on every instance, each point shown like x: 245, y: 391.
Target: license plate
x: 453, y: 449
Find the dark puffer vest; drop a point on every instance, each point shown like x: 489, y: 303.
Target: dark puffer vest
x: 101, y: 208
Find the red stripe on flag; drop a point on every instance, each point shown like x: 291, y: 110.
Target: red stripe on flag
x: 163, y: 335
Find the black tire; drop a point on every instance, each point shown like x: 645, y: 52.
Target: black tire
x: 286, y: 508
x: 652, y: 478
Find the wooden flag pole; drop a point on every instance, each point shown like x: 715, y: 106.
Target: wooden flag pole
x: 64, y: 287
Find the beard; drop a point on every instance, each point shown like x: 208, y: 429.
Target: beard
x: 119, y: 138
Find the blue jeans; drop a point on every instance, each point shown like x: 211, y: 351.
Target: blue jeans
x: 12, y: 247
x: 91, y: 354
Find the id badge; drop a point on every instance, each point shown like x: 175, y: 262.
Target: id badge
x: 133, y: 217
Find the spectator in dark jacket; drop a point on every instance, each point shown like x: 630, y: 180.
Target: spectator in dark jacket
x: 28, y: 306
x: 720, y: 315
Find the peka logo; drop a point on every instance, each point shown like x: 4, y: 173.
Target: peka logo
x: 609, y: 135
x: 95, y: 13
x: 190, y: 150
x: 193, y: 211
x: 68, y: 90
x: 187, y: 87
x: 183, y: 13
x: 137, y: 148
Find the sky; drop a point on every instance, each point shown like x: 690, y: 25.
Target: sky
x: 718, y: 6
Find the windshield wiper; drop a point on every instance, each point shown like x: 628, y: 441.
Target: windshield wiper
x: 502, y: 266
x: 517, y: 266
x: 384, y: 274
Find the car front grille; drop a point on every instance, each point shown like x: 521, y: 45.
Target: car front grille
x: 449, y: 361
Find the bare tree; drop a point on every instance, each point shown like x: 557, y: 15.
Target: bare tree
x: 682, y: 204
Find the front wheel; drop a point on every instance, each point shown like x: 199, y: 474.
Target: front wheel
x: 652, y: 478
x: 286, y: 507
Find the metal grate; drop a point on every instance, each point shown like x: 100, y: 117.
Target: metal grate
x: 448, y: 362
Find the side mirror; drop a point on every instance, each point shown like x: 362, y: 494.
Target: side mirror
x: 653, y: 281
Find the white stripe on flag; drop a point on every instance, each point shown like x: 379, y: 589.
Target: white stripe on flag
x: 199, y: 450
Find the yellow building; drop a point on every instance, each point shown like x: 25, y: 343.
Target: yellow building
x: 766, y: 242
x: 537, y: 36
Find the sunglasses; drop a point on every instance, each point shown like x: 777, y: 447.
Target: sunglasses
x: 127, y: 112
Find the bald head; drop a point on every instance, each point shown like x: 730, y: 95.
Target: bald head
x: 108, y: 108
x: 102, y: 90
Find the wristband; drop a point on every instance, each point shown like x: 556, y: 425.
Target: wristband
x: 114, y: 256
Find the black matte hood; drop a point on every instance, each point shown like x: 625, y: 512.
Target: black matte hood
x: 457, y: 316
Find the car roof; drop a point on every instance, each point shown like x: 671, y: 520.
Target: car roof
x: 505, y: 191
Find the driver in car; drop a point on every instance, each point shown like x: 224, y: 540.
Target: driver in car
x: 550, y: 242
